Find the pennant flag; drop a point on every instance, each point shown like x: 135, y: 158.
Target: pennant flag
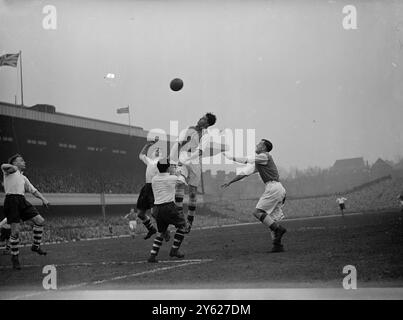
x: 9, y: 59
x: 123, y: 110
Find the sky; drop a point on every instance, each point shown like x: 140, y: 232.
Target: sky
x: 287, y: 69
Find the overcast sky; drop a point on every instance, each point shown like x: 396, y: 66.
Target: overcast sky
x: 285, y: 68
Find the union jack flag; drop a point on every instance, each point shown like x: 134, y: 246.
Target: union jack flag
x: 9, y: 59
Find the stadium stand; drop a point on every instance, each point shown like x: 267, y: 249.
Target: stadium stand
x: 66, y: 153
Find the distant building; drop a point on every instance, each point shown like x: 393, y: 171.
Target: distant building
x: 348, y: 173
x: 349, y: 165
x: 381, y: 169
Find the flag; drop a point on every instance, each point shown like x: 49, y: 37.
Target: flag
x: 123, y: 110
x: 9, y: 59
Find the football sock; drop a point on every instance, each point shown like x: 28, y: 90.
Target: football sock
x: 147, y: 223
x: 266, y: 220
x: 179, y: 203
x: 178, y: 238
x: 191, y: 209
x: 37, y: 231
x: 157, y: 244
x: 14, y: 242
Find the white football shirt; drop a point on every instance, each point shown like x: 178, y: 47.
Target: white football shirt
x: 341, y: 200
x: 17, y: 183
x: 163, y: 185
x: 151, y: 169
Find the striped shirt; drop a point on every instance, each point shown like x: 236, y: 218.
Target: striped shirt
x: 17, y: 183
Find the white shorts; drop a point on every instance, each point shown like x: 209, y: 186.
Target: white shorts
x: 272, y: 200
x: 191, y: 172
x: 133, y: 224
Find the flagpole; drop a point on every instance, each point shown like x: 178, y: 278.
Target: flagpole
x: 22, y: 90
x: 128, y: 107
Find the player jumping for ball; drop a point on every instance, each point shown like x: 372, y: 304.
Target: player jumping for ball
x: 187, y: 144
x: 165, y: 211
x: 146, y: 198
x: 269, y: 208
x: 17, y: 208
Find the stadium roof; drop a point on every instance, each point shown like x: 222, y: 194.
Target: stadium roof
x: 12, y: 110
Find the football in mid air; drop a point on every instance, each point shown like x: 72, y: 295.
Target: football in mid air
x: 176, y: 84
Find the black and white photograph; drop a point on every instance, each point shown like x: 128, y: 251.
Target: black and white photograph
x: 212, y: 151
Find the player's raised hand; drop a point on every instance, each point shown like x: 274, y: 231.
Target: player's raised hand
x: 46, y: 203
x: 225, y: 185
x: 153, y: 141
x: 228, y: 155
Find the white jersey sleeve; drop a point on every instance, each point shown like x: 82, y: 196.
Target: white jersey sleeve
x: 28, y: 186
x: 260, y: 158
x: 3, y: 222
x: 246, y: 170
x: 147, y: 161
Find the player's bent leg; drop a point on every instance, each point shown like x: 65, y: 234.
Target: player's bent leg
x: 147, y: 223
x: 191, y: 207
x: 274, y: 226
x: 179, y: 195
x: 167, y: 235
x: 14, y: 242
x: 37, y: 229
x: 7, y: 250
x: 156, y: 247
x: 178, y: 239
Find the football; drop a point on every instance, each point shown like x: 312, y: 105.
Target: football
x: 176, y: 84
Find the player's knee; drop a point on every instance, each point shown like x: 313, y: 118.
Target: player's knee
x: 38, y: 221
x: 258, y: 214
x: 141, y: 214
x: 15, y: 233
x: 181, y: 229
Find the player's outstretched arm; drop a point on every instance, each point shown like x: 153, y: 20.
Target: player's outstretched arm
x: 8, y: 168
x: 3, y: 222
x: 31, y: 189
x: 235, y: 159
x: 39, y: 195
x: 144, y: 151
x: 236, y: 178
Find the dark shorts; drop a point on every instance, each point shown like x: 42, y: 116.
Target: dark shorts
x: 5, y: 234
x: 166, y: 214
x: 146, y: 198
x: 342, y: 206
x: 17, y: 208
